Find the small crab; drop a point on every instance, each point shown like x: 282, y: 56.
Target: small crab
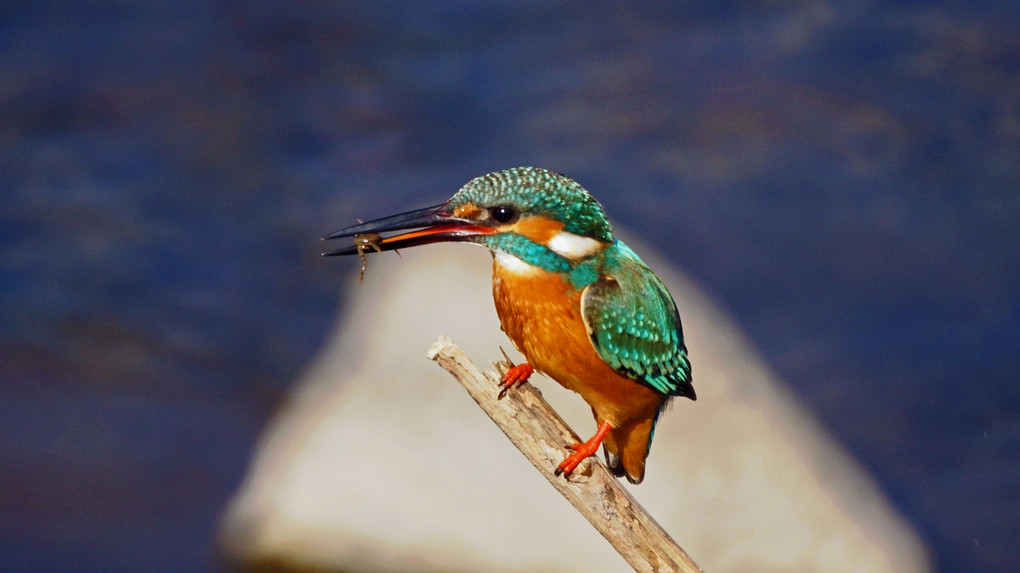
x: 363, y: 242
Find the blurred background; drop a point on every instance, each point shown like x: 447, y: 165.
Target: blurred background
x: 843, y: 176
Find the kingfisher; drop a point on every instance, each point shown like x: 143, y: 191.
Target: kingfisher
x: 577, y: 302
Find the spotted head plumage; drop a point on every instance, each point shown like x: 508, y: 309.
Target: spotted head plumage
x: 539, y: 193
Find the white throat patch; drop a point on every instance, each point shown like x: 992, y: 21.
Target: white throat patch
x: 573, y: 247
x: 513, y: 265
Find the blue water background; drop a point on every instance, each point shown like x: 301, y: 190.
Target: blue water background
x: 843, y: 176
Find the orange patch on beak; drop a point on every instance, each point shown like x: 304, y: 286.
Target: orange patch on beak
x: 467, y: 211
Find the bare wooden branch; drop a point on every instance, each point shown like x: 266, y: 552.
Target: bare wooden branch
x: 541, y: 435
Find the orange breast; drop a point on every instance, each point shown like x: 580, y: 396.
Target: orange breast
x: 541, y: 314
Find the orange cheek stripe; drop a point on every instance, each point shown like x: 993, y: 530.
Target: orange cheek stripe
x: 538, y: 229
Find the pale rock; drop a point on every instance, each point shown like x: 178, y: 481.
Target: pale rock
x: 382, y: 462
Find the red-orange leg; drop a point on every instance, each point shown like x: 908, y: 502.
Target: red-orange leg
x: 584, y: 450
x: 515, y: 376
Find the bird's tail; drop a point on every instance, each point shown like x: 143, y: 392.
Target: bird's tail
x: 626, y: 448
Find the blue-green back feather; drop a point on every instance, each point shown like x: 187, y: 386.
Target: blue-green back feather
x: 634, y: 324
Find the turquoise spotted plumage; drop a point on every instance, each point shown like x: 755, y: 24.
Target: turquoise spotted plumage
x: 540, y: 192
x: 634, y: 324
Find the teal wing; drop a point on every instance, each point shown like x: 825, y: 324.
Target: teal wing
x: 634, y: 326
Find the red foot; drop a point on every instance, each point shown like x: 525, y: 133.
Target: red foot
x: 516, y: 375
x: 582, y: 451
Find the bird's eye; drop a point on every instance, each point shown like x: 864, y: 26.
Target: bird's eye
x: 503, y: 214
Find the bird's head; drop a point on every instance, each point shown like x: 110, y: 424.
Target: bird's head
x: 543, y: 218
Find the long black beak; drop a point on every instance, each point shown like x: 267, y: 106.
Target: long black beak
x: 434, y: 225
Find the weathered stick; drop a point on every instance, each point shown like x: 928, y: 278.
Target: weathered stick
x: 541, y: 435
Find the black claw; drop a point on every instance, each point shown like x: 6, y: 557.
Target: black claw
x: 558, y: 472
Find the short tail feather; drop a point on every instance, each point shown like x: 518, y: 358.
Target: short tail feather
x: 613, y: 462
x: 626, y: 449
